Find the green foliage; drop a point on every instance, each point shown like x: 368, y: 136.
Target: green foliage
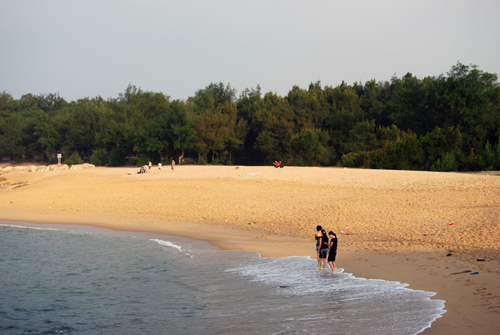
x: 446, y: 123
x: 353, y: 159
x: 202, y: 161
x: 310, y: 146
x: 445, y: 163
x: 73, y: 159
x: 12, y: 133
x: 99, y: 157
x: 117, y: 157
x: 439, y: 142
x: 144, y: 160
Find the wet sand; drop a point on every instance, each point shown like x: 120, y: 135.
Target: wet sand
x: 393, y: 225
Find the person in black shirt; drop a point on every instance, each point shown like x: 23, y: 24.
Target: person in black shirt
x: 317, y: 237
x: 332, y: 250
x: 323, y: 249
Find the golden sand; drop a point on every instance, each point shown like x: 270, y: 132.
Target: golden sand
x: 395, y: 225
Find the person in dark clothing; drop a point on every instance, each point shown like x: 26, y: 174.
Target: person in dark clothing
x: 316, y: 237
x: 323, y: 249
x: 332, y: 250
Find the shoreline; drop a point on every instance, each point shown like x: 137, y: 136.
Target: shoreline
x: 192, y: 244
x: 472, y: 302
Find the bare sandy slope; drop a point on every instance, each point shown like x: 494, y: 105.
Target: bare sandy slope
x: 392, y: 224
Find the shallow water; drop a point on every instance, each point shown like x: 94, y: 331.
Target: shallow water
x: 74, y: 282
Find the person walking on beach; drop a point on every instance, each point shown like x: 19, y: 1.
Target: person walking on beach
x: 332, y: 250
x: 150, y: 165
x: 323, y: 250
x: 173, y: 164
x: 159, y: 167
x: 316, y: 237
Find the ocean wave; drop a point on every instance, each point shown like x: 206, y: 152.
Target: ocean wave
x: 171, y: 245
x: 26, y: 227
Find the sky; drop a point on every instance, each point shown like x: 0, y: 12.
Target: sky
x: 97, y: 48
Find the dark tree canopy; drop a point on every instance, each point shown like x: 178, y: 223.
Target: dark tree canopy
x: 448, y: 122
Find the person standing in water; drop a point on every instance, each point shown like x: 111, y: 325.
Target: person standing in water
x: 332, y: 250
x: 323, y: 250
x: 316, y: 237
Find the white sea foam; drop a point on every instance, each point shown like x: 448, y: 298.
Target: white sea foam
x: 298, y: 276
x: 171, y: 245
x: 25, y: 227
x: 290, y: 293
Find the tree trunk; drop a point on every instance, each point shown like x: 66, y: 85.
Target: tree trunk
x: 181, y: 157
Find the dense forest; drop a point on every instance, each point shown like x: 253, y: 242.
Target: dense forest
x: 444, y: 123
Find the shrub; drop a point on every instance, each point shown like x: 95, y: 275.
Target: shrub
x: 99, y: 157
x: 353, y: 159
x: 445, y: 163
x: 202, y: 160
x: 73, y: 159
x: 144, y: 160
x: 116, y: 157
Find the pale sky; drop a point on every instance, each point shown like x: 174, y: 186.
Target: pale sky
x: 91, y: 48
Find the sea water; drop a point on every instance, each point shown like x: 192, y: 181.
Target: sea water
x: 57, y: 281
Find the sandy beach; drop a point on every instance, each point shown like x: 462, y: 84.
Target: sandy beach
x: 422, y: 228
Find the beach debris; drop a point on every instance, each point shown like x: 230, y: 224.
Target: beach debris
x: 449, y: 255
x: 475, y: 273
x: 451, y: 224
x: 284, y: 286
x: 457, y: 273
x: 480, y: 259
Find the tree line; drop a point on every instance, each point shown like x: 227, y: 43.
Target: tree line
x: 442, y: 123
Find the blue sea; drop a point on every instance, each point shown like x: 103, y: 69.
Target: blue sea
x: 78, y: 280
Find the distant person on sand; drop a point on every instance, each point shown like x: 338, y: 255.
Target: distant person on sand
x: 159, y: 166
x: 173, y: 164
x: 150, y: 165
x: 323, y: 249
x: 276, y: 164
x: 282, y: 165
x: 317, y: 237
x: 332, y: 250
